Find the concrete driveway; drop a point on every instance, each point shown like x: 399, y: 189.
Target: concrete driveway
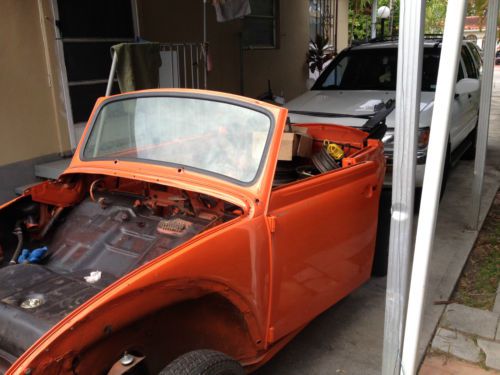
x: 348, y: 338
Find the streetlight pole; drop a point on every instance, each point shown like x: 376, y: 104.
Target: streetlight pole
x: 384, y: 13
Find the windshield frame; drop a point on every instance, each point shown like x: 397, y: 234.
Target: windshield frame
x: 182, y: 95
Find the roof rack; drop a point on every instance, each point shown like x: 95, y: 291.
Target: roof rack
x: 433, y: 36
x: 438, y: 38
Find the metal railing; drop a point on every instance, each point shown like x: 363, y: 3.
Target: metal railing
x: 184, y: 65
x: 188, y: 64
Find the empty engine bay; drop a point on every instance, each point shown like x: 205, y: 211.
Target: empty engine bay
x: 114, y: 226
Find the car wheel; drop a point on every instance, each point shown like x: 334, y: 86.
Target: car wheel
x: 381, y: 257
x: 203, y: 362
x: 470, y: 154
x: 446, y: 172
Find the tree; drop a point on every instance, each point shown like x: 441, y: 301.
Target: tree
x: 360, y: 18
x: 435, y: 13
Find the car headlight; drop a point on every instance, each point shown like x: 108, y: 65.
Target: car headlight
x: 422, y: 143
x: 423, y: 138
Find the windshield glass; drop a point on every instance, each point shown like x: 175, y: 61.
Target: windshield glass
x: 374, y: 69
x: 205, y: 135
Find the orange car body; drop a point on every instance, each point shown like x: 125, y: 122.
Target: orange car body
x: 245, y: 287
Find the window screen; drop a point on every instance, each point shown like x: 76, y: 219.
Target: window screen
x: 88, y: 29
x: 260, y: 27
x: 95, y: 18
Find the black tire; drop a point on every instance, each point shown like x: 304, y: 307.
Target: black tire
x: 446, y: 172
x: 470, y: 154
x: 417, y: 199
x: 203, y: 362
x: 381, y: 257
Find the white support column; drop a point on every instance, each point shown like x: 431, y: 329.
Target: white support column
x: 374, y: 18
x: 410, y: 53
x: 484, y: 111
x: 445, y: 89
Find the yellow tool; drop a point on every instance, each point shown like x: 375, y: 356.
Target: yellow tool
x: 333, y: 149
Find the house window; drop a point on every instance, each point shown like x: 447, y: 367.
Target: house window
x: 86, y: 30
x: 260, y: 28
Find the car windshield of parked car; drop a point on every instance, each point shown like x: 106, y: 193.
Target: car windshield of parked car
x: 374, y: 69
x: 205, y: 135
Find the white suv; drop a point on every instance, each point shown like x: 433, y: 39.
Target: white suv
x: 361, y: 77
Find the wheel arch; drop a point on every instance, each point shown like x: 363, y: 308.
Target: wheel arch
x: 182, y: 315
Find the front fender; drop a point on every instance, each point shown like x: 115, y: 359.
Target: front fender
x: 231, y: 260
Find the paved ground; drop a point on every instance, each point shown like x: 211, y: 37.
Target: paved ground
x: 444, y: 365
x: 348, y: 338
x: 469, y: 334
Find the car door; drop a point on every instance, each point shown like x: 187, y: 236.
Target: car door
x: 466, y: 105
x: 457, y: 120
x: 322, y: 246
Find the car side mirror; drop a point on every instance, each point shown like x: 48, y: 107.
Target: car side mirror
x: 310, y: 83
x: 467, y: 86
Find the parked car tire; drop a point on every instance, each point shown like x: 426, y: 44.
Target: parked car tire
x: 203, y: 362
x: 381, y: 257
x: 470, y: 154
x: 446, y: 173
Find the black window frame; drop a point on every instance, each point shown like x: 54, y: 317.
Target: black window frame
x: 252, y: 45
x: 84, y: 86
x: 185, y: 95
x: 470, y: 66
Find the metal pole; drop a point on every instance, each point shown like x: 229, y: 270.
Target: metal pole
x: 112, y: 72
x: 336, y: 23
x: 484, y: 112
x: 192, y: 66
x: 410, y: 56
x: 205, y: 50
x: 374, y: 18
x: 440, y: 125
x: 391, y: 20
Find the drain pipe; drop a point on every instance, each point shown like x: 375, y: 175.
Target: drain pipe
x: 440, y: 125
x: 374, y: 19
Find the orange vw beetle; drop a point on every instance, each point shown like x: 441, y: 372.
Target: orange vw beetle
x: 180, y: 240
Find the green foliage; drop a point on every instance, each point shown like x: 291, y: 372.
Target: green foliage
x: 360, y: 19
x: 477, y: 287
x: 435, y: 13
x: 319, y: 53
x: 359, y: 25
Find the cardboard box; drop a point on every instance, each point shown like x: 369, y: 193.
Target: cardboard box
x: 293, y: 144
x: 304, y: 148
x: 288, y: 147
x: 299, y: 129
